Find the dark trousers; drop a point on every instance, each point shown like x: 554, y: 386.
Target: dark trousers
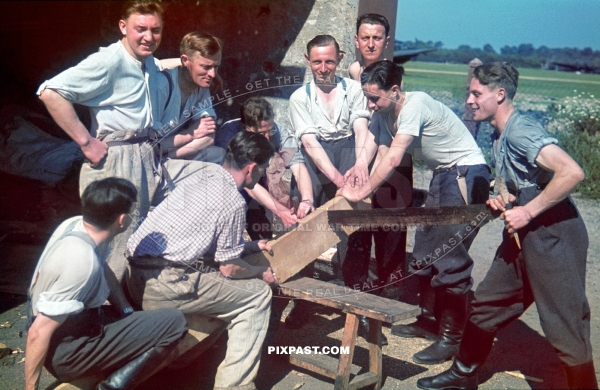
x: 390, y: 244
x: 95, y: 345
x: 342, y: 155
x: 442, y: 252
x: 550, y: 270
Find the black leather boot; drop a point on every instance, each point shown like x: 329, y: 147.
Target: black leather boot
x: 474, y: 349
x: 298, y: 316
x: 140, y: 368
x: 426, y: 326
x: 363, y: 330
x: 582, y: 376
x: 452, y: 322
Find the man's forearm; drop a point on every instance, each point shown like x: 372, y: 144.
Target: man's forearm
x: 117, y: 297
x: 192, y: 147
x: 387, y: 163
x: 366, y: 147
x: 38, y: 342
x: 262, y: 196
x: 303, y: 181
x: 321, y: 160
x: 63, y: 113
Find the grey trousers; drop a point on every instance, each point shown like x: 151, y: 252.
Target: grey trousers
x: 92, y: 345
x: 136, y: 163
x: 550, y: 270
x: 442, y: 252
x: 244, y: 304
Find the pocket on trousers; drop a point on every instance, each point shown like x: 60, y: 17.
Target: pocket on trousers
x: 177, y: 285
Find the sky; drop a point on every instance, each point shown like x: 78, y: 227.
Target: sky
x: 553, y: 23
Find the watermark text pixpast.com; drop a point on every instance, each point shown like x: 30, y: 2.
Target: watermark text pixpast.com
x: 280, y: 350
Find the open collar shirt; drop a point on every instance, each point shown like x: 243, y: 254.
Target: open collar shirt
x: 114, y: 86
x: 308, y: 114
x: 517, y: 148
x: 204, y: 217
x: 170, y: 113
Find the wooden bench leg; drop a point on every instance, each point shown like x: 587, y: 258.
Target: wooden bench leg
x: 348, y: 340
x: 375, y: 364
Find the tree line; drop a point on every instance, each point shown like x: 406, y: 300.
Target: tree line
x: 525, y: 55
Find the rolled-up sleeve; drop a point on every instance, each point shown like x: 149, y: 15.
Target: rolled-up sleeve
x: 530, y: 140
x: 358, y: 103
x: 289, y: 150
x: 300, y: 117
x: 81, y: 83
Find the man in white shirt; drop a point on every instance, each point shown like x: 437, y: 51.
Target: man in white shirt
x: 330, y: 119
x: 68, y: 335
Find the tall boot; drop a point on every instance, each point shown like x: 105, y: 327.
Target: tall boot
x: 363, y: 330
x: 474, y: 349
x: 426, y: 326
x: 582, y: 376
x: 140, y: 368
x: 452, y: 323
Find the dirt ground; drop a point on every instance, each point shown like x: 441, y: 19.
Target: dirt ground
x: 521, y: 347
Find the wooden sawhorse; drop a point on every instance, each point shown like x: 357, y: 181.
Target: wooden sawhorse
x: 354, y: 304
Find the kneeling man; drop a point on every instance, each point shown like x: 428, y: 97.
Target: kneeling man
x: 203, y: 219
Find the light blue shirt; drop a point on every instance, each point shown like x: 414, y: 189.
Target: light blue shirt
x: 169, y: 113
x: 515, y: 151
x: 114, y: 86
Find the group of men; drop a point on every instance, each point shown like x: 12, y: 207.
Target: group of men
x: 154, y: 134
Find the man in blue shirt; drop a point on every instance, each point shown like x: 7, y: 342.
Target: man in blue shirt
x: 548, y: 267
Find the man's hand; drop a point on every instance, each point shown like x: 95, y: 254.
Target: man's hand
x: 515, y: 218
x: 94, y: 151
x: 357, y: 175
x: 206, y: 126
x: 304, y: 208
x: 350, y: 193
x: 263, y: 246
x: 287, y: 216
x: 269, y: 277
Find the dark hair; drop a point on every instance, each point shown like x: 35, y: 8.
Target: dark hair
x: 373, y: 19
x: 256, y: 110
x: 104, y: 200
x: 142, y: 7
x: 498, y: 74
x: 321, y: 41
x: 384, y: 73
x: 247, y: 147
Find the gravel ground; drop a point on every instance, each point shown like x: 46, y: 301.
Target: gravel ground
x: 520, y: 347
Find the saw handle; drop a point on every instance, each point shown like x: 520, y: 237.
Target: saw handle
x: 503, y: 191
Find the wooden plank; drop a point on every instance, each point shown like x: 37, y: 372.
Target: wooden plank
x: 305, y: 361
x: 348, y: 340
x: 322, y: 364
x: 363, y: 380
x: 203, y: 331
x: 299, y: 247
x: 391, y: 219
x: 348, y: 300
